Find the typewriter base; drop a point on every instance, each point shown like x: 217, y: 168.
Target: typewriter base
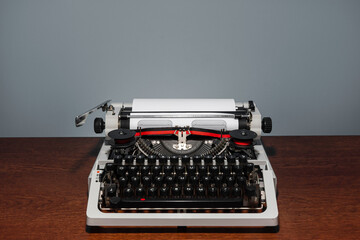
x: 182, y: 229
x: 267, y: 218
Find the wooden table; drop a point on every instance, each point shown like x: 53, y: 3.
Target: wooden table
x: 44, y: 187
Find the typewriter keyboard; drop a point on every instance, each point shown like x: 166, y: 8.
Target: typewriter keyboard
x: 180, y: 182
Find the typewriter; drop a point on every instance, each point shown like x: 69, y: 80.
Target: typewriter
x: 181, y: 162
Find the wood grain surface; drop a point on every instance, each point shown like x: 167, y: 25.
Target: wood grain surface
x: 44, y: 187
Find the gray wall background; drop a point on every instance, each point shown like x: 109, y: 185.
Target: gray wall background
x: 298, y: 60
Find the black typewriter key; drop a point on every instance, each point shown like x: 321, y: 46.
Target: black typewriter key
x: 118, y: 159
x: 111, y: 190
x: 202, y: 169
x: 241, y: 180
x: 133, y: 170
x: 212, y: 192
x: 174, y: 159
x: 114, y: 201
x: 162, y: 159
x: 196, y: 159
x: 206, y: 180
x: 218, y: 180
x: 128, y: 192
x: 129, y: 159
x: 164, y: 192
x: 168, y: 169
x: 194, y: 180
x: 231, y: 158
x: 200, y: 192
x: 249, y: 168
x: 250, y: 190
x: 179, y: 169
x: 121, y: 170
x: 123, y: 181
x: 224, y: 192
x: 140, y: 159
x: 236, y: 192
x: 170, y: 180
x: 152, y: 159
x: 238, y: 169
x: 175, y: 191
x: 109, y: 167
x: 117, y: 152
x: 146, y: 181
x: 191, y: 170
x: 181, y: 179
x: 226, y: 170
x: 152, y: 192
x: 214, y: 169
x: 185, y: 159
x: 188, y: 191
x: 158, y: 181
x: 140, y: 192
x: 220, y: 159
x: 145, y: 170
x: 208, y: 159
x: 230, y: 181
x: 242, y: 158
x: 156, y: 170
x: 135, y: 181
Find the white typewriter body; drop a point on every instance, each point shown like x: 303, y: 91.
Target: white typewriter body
x: 215, y: 114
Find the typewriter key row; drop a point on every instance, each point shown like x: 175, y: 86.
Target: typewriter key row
x: 151, y: 159
x: 190, y: 170
x: 184, y: 196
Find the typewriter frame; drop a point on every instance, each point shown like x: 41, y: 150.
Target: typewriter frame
x: 96, y: 218
x: 267, y: 218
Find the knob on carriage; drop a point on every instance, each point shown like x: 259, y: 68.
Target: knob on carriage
x: 99, y: 125
x: 266, y: 125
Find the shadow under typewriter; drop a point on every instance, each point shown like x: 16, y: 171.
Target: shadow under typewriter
x: 137, y: 229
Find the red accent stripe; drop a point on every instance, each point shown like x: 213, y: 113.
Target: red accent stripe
x: 144, y: 133
x: 167, y: 132
x: 244, y: 143
x: 209, y: 134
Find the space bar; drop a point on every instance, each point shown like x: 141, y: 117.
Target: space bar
x: 181, y: 203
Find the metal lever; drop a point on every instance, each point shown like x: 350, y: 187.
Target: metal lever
x: 182, y: 145
x: 80, y: 119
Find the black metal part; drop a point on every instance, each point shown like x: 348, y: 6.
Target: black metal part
x: 124, y: 121
x: 121, y: 134
x: 122, y: 138
x: 99, y: 125
x: 266, y: 125
x: 252, y: 105
x: 242, y: 134
x: 244, y: 123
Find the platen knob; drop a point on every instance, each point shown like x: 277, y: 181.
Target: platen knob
x: 99, y: 125
x: 266, y: 125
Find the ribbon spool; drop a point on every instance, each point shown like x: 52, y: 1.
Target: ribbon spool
x: 122, y: 137
x: 242, y: 137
